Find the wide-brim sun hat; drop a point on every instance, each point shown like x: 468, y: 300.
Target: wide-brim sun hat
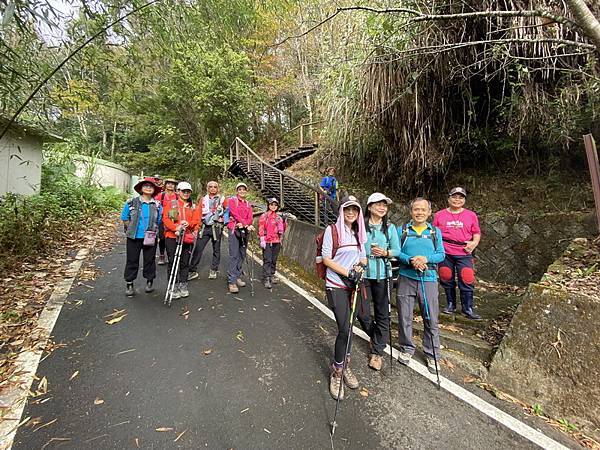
x: 148, y: 180
x: 457, y: 190
x: 377, y: 197
x: 184, y: 186
x: 241, y: 184
x: 170, y: 180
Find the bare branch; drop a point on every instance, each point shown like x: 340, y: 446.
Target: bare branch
x: 586, y: 20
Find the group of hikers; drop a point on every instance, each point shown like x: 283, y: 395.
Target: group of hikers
x: 361, y: 257
x: 164, y: 215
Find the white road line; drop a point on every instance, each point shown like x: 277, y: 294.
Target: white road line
x: 27, y: 362
x: 459, y: 392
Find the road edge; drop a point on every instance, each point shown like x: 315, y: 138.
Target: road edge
x: 28, y: 361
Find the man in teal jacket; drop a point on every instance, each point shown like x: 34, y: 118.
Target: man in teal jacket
x: 421, y: 249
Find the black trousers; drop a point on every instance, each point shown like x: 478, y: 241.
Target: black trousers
x: 339, y: 301
x: 380, y: 327
x: 184, y: 262
x: 270, y: 254
x: 134, y: 248
x: 161, y: 239
x: 207, y: 235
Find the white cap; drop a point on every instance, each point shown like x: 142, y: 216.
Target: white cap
x: 378, y: 197
x: 239, y: 185
x: 183, y: 186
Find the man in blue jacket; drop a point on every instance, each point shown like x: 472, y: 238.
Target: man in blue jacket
x: 421, y: 249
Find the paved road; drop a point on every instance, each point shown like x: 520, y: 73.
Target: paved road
x: 262, y: 385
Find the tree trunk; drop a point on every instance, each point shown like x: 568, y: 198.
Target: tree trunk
x: 113, y: 141
x: 586, y: 20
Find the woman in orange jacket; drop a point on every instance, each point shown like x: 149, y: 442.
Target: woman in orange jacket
x: 179, y: 217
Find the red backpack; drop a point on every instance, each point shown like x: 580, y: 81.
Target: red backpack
x: 320, y: 267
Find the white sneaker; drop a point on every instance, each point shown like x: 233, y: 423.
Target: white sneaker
x: 183, y: 290
x: 212, y: 275
x: 192, y: 276
x: 404, y: 358
x: 176, y: 294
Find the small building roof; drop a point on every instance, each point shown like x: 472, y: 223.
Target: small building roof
x: 31, y: 130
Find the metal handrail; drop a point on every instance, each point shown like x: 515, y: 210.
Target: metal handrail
x: 301, y: 126
x: 317, y: 192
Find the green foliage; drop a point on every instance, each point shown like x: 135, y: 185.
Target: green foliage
x: 537, y: 409
x: 32, y: 224
x: 568, y: 426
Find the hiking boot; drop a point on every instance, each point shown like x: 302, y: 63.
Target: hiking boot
x: 183, y: 290
x: 335, y: 383
x: 161, y: 260
x: 233, y: 289
x: 176, y: 293
x: 431, y: 365
x: 212, y: 275
x: 240, y: 283
x: 449, y: 309
x: 349, y: 377
x: 129, y: 290
x: 375, y: 362
x: 149, y: 286
x: 275, y: 279
x: 192, y: 276
x: 470, y: 314
x: 404, y: 358
x: 268, y: 284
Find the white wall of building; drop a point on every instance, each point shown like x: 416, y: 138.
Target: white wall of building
x: 20, y: 164
x: 102, y: 172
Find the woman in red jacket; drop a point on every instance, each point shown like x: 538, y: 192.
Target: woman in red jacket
x: 271, y: 227
x: 179, y: 217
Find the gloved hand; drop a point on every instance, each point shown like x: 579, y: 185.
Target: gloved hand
x: 355, y: 275
x: 263, y: 243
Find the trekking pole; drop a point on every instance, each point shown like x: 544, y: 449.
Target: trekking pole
x: 348, y: 343
x: 251, y: 268
x: 174, y: 270
x: 427, y: 317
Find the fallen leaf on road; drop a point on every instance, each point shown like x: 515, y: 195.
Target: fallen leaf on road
x: 244, y: 410
x: 98, y: 401
x: 179, y: 435
x: 137, y: 442
x: 207, y: 351
x: 45, y: 425
x: 448, y: 364
x: 42, y: 387
x: 240, y: 336
x: 115, y: 312
x: 115, y: 320
x: 364, y: 392
x: 74, y: 375
x: 286, y: 300
x: 267, y: 430
x: 323, y: 329
x: 469, y: 379
x: 163, y: 429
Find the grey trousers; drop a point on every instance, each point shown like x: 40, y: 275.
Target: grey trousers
x: 237, y: 256
x: 408, y: 291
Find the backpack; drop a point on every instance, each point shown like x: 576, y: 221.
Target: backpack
x: 320, y: 267
x: 432, y: 236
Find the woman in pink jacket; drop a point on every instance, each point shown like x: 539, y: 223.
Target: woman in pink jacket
x: 271, y: 227
x: 240, y: 226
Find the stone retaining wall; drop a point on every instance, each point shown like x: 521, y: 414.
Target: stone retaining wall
x: 550, y: 354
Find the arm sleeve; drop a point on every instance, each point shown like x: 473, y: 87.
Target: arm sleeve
x: 439, y: 253
x: 327, y: 243
x: 261, y: 225
x: 160, y: 211
x: 475, y: 229
x: 436, y: 220
x: 394, y: 240
x: 125, y: 212
x: 323, y: 182
x: 362, y: 253
x: 403, y: 257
